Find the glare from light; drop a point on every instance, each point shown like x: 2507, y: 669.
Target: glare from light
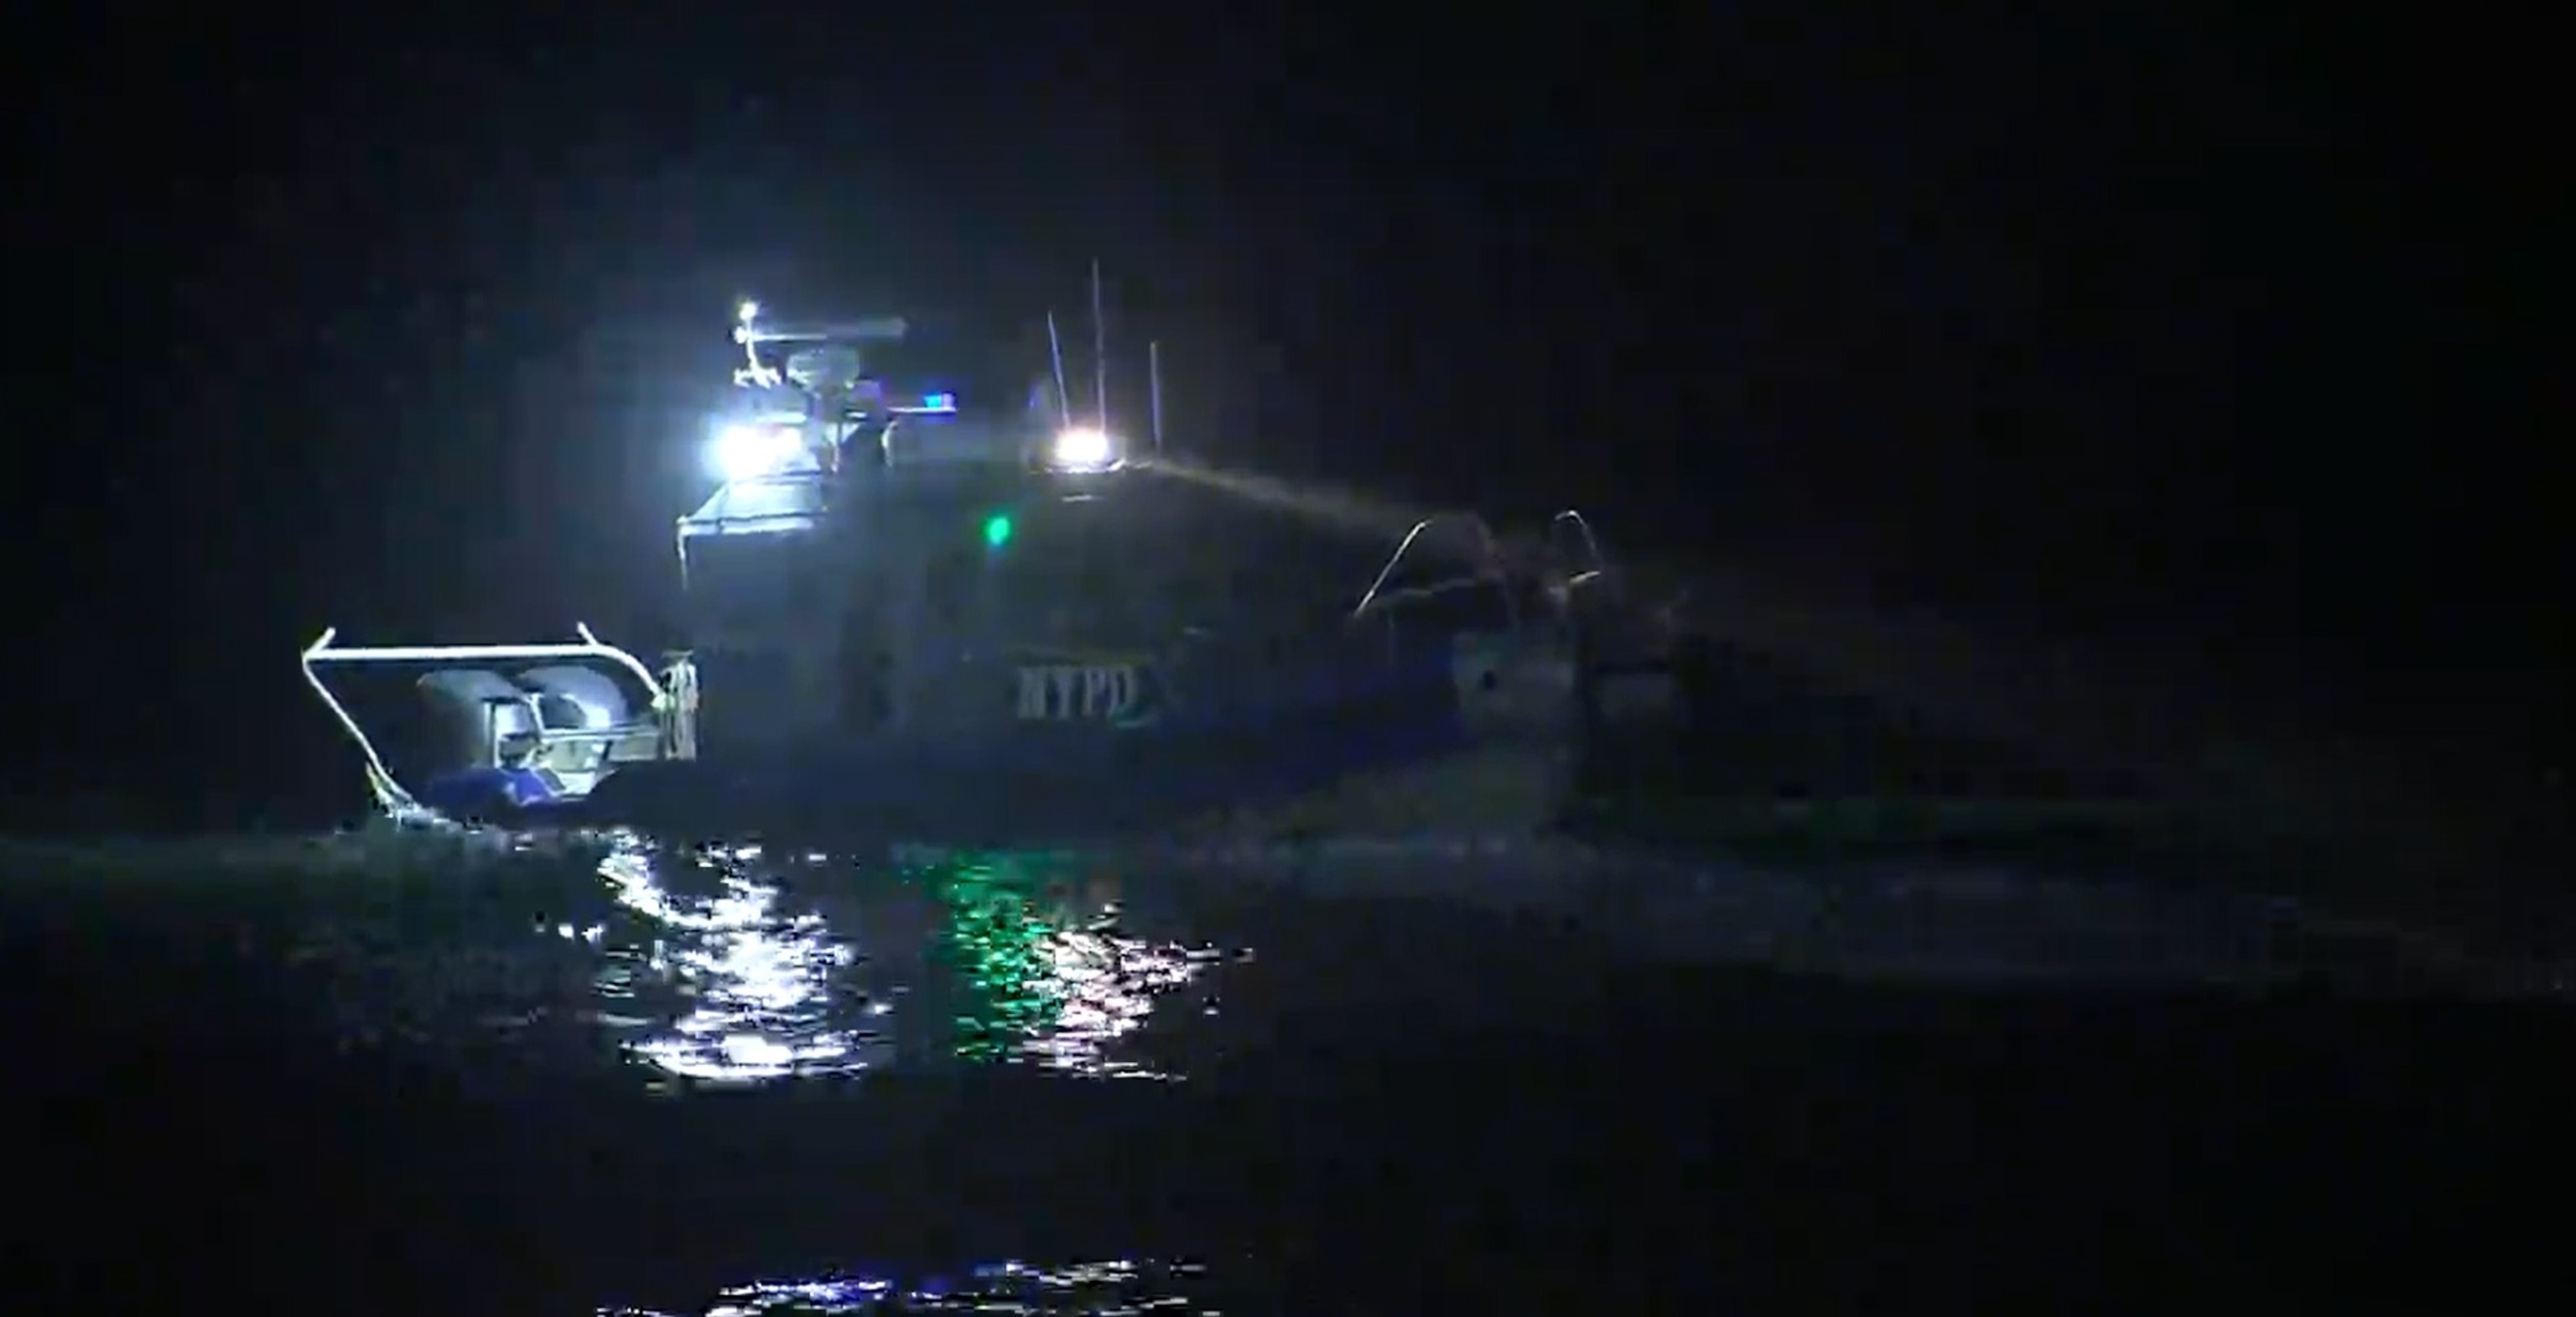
x: 749, y: 451
x: 1082, y: 449
x: 759, y: 979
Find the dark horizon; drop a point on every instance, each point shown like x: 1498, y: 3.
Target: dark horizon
x: 2132, y: 327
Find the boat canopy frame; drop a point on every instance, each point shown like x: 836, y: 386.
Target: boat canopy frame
x: 671, y: 698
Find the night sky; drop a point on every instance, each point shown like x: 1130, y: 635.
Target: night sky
x: 2202, y: 336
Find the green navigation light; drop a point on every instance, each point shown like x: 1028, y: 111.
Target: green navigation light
x: 997, y: 530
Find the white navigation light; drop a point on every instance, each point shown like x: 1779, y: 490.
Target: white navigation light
x: 749, y: 312
x: 1082, y: 449
x: 750, y: 450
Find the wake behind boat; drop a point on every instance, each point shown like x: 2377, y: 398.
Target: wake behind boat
x: 912, y: 617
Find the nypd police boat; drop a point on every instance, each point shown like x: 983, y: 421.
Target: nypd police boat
x: 910, y: 620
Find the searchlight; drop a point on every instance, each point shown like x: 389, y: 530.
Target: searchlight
x: 750, y: 450
x: 1082, y: 448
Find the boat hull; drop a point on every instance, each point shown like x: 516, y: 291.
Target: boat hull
x: 1388, y: 752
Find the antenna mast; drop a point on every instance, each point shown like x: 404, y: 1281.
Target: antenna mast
x: 1154, y: 389
x: 1099, y: 352
x: 1055, y: 353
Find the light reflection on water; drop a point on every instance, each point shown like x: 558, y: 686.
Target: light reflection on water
x: 754, y: 966
x: 730, y: 965
x: 1119, y: 1287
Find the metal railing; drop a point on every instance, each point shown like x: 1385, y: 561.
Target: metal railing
x: 389, y: 793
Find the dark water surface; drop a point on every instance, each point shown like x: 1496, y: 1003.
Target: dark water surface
x: 1380, y: 1079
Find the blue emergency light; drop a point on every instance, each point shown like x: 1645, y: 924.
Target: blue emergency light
x: 931, y: 404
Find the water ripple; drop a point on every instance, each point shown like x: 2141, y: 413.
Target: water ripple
x: 767, y: 966
x: 1121, y: 1287
x: 732, y: 964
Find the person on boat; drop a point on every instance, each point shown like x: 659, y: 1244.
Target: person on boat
x: 516, y: 775
x: 513, y: 780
